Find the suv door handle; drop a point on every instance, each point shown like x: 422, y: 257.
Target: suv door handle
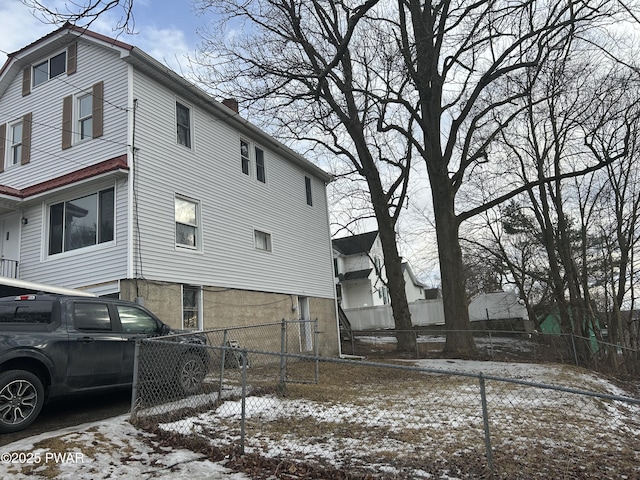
x: 86, y: 339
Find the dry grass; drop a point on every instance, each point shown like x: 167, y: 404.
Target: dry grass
x: 377, y: 422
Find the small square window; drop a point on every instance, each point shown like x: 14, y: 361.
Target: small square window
x: 262, y: 240
x: 183, y: 125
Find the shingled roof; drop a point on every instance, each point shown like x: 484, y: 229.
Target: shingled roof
x: 355, y: 244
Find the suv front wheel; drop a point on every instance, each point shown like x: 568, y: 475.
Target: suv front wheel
x: 21, y: 399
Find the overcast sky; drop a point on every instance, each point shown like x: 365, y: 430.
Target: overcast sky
x: 166, y: 28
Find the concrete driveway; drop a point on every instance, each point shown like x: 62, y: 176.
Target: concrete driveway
x: 72, y: 411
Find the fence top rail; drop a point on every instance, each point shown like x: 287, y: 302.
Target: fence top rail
x: 488, y: 333
x: 182, y: 333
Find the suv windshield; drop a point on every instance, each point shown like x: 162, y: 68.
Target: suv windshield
x: 30, y: 311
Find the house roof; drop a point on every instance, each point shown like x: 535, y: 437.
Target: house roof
x: 68, y: 33
x: 407, y: 268
x: 355, y: 244
x: 111, y: 165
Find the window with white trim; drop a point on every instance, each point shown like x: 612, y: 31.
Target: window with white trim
x: 187, y: 216
x: 262, y: 240
x: 183, y: 124
x: 15, y: 142
x: 260, y: 170
x: 244, y: 157
x: 50, y: 68
x: 190, y: 307
x: 307, y: 189
x: 82, y: 222
x: 85, y: 116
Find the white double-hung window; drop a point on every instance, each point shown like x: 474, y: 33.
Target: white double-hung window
x: 187, y: 214
x: 16, y: 144
x: 85, y: 116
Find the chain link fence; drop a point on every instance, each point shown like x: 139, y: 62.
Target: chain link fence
x: 508, y: 346
x: 288, y: 415
x: 199, y: 366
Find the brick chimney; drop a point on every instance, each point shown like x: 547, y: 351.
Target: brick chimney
x: 231, y: 103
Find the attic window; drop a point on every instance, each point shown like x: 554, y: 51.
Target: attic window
x: 50, y: 68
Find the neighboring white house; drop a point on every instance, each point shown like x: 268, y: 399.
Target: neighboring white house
x: 121, y: 178
x: 361, y: 275
x: 359, y: 271
x: 414, y: 288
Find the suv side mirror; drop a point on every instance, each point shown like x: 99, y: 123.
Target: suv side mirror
x: 165, y: 329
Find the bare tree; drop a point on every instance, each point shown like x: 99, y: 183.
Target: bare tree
x: 445, y: 77
x: 439, y: 81
x: 83, y: 13
x: 299, y: 64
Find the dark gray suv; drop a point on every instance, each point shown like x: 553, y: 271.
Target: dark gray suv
x: 56, y: 345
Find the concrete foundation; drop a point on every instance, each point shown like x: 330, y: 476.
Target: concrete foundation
x: 223, y: 307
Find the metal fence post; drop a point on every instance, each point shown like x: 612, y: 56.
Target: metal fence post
x: 243, y: 416
x: 485, y: 417
x: 283, y: 351
x: 575, y: 352
x: 136, y: 378
x: 316, y: 349
x: 491, y: 345
x: 415, y: 334
x: 224, y: 359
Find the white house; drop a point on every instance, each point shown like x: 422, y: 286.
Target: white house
x: 361, y: 276
x: 121, y: 178
x: 359, y: 271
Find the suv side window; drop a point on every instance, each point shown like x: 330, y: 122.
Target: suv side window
x: 91, y: 316
x: 29, y: 312
x: 136, y: 320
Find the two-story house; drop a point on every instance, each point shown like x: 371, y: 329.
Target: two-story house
x: 121, y: 178
x: 358, y: 263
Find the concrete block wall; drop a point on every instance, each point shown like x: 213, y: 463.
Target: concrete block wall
x: 223, y: 307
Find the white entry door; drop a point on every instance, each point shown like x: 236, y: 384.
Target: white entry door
x: 9, y: 245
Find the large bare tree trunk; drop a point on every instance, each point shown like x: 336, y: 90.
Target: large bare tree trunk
x: 406, y: 338
x: 456, y: 313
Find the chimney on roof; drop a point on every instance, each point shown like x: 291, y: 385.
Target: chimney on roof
x: 231, y: 103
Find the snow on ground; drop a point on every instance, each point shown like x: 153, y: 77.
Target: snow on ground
x: 104, y: 450
x: 360, y: 432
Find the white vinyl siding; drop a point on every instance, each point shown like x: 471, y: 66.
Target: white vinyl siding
x: 47, y: 160
x: 230, y: 207
x: 89, y: 266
